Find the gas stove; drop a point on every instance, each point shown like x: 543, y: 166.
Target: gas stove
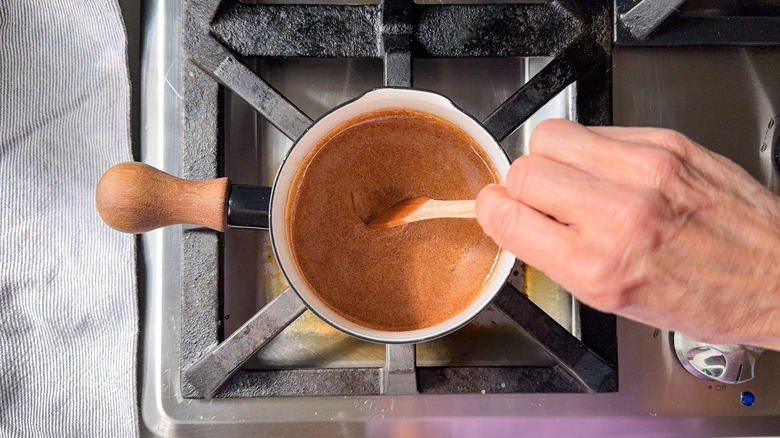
x: 227, y: 88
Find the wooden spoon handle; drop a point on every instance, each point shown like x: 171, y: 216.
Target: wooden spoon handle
x: 135, y: 197
x: 462, y: 209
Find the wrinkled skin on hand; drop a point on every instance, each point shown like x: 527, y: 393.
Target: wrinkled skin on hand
x: 647, y: 224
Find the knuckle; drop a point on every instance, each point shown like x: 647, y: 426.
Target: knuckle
x: 640, y: 215
x: 675, y: 142
x: 672, y: 140
x: 545, y: 132
x: 639, y: 212
x: 663, y: 167
x: 596, y: 287
x: 541, y: 132
x: 601, y: 285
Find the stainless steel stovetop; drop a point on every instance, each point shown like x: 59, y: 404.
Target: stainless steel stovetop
x: 725, y: 96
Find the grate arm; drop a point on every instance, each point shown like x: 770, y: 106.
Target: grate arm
x: 573, y: 63
x: 590, y: 371
x: 218, y: 62
x: 220, y: 362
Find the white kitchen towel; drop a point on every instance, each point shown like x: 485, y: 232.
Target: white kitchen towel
x: 68, y: 305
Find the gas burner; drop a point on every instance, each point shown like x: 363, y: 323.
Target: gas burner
x: 396, y: 32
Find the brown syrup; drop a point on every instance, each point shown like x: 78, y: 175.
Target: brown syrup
x: 403, y: 278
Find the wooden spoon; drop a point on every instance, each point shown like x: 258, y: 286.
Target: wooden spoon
x: 419, y: 209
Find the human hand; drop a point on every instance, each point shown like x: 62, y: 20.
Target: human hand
x: 647, y: 224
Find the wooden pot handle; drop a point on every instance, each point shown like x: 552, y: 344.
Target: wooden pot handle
x: 135, y: 197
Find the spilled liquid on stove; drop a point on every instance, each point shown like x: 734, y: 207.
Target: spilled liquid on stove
x: 404, y: 278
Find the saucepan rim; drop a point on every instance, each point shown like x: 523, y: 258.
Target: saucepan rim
x: 378, y: 98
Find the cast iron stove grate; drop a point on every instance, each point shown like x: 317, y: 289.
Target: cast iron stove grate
x: 215, y: 37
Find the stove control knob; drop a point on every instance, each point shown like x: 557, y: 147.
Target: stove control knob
x: 724, y: 363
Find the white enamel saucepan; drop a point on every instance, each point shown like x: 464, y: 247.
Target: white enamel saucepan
x: 134, y: 197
